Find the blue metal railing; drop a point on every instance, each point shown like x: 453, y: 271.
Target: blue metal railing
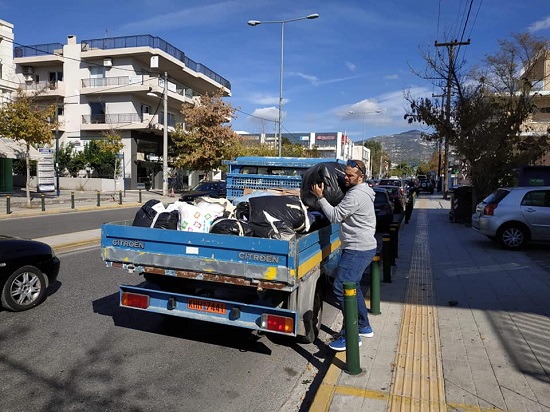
x: 37, y: 50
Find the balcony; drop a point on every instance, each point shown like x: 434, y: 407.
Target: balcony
x: 44, y: 88
x: 39, y: 54
x: 124, y: 121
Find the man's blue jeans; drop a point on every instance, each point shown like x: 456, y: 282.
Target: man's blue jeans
x: 350, y: 269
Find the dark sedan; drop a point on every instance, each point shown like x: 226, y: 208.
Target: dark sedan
x: 27, y: 268
x: 383, y: 206
x: 397, y: 195
x: 211, y: 189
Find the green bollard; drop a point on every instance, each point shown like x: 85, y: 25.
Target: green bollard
x: 139, y: 195
x: 120, y: 197
x: 375, y: 285
x: 8, y: 205
x: 386, y: 258
x: 72, y: 200
x: 98, y: 199
x: 43, y: 202
x: 353, y: 366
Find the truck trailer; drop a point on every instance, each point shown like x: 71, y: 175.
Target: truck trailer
x: 262, y: 284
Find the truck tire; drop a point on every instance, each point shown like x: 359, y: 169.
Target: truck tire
x: 313, y: 318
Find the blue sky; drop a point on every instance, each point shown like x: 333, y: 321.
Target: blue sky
x: 357, y: 56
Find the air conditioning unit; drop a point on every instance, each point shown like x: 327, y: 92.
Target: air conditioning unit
x: 28, y: 70
x: 29, y: 78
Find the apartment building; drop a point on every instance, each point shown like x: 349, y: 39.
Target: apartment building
x: 116, y: 84
x: 539, y: 122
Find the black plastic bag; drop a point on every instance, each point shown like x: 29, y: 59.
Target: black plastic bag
x: 329, y: 173
x: 146, y: 214
x: 226, y: 226
x: 277, y: 217
x: 167, y: 220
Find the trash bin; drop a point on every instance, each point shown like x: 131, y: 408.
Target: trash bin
x: 461, y: 203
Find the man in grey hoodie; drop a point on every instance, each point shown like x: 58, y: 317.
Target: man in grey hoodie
x: 356, y: 214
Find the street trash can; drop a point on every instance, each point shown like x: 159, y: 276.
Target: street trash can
x: 461, y: 203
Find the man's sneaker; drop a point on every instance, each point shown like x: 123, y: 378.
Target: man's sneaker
x: 340, y: 344
x: 365, y: 331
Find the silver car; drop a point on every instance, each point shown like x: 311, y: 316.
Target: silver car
x: 515, y: 215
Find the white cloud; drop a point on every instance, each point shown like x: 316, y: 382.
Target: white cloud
x: 266, y: 113
x: 540, y: 25
x: 266, y: 99
x: 310, y: 78
x: 391, y: 77
x: 351, y: 66
x: 188, y: 17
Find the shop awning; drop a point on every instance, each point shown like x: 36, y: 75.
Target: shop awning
x: 12, y: 149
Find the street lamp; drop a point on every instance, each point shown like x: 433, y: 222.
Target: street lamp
x: 164, y: 136
x: 282, y: 23
x: 364, y: 126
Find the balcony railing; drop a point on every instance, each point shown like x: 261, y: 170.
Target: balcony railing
x: 154, y: 42
x: 112, y: 118
x: 108, y: 81
x: 39, y: 86
x: 38, y: 50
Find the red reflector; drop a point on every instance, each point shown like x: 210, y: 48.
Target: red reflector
x: 490, y: 209
x: 278, y: 323
x: 134, y: 300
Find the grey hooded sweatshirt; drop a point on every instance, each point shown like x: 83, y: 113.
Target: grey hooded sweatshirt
x: 356, y: 214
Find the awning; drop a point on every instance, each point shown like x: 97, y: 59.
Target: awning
x: 12, y: 149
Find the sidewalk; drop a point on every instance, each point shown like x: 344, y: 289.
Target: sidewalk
x: 465, y: 326
x: 71, y: 201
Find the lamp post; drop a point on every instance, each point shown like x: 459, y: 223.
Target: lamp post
x: 364, y: 135
x: 282, y: 23
x: 164, y: 134
x: 165, y: 139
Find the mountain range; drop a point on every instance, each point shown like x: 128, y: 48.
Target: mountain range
x: 408, y: 147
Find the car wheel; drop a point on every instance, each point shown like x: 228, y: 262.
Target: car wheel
x: 24, y: 289
x: 313, y: 319
x: 513, y: 237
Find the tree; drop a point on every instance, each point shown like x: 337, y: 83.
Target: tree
x: 206, y: 139
x: 112, y: 145
x: 24, y: 120
x: 487, y: 110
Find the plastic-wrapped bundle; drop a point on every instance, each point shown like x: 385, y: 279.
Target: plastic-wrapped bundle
x: 277, y: 217
x: 329, y: 173
x: 145, y: 216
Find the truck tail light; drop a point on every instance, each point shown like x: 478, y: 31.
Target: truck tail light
x: 134, y: 300
x: 277, y: 323
x: 489, y: 210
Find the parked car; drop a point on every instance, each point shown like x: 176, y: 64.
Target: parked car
x: 425, y: 185
x: 397, y: 195
x: 27, y: 268
x: 211, y: 189
x: 383, y: 206
x: 513, y: 216
x: 400, y: 183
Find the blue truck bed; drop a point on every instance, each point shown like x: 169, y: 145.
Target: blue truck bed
x: 217, y: 256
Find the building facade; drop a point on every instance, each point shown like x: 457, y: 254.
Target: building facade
x: 116, y: 84
x: 329, y: 145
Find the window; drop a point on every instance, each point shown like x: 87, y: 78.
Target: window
x: 539, y: 198
x: 145, y: 109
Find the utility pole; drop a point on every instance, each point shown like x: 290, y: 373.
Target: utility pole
x: 439, y: 142
x: 450, y: 46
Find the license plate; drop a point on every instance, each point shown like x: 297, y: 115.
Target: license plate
x: 206, y: 306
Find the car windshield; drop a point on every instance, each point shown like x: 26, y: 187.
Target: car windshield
x: 496, y: 196
x: 381, y: 198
